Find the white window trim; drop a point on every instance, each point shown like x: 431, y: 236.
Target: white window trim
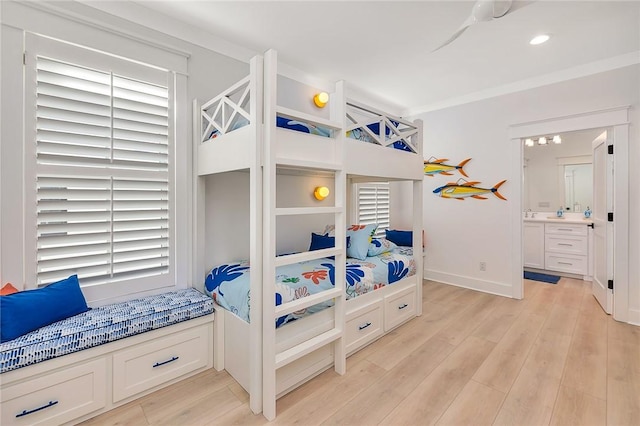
x: 178, y: 173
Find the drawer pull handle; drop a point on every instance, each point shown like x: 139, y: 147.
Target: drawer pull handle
x: 158, y: 364
x: 565, y: 229
x: 26, y: 413
x: 404, y: 305
x: 566, y: 263
x: 565, y: 244
x: 363, y: 326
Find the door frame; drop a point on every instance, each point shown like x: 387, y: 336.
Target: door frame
x: 616, y: 119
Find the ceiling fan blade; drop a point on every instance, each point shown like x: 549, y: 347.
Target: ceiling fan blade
x: 501, y: 7
x: 466, y: 24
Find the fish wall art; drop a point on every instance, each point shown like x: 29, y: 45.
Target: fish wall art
x: 434, y: 166
x: 463, y: 189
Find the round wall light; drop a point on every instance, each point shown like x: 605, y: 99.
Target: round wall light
x: 321, y: 99
x: 321, y: 192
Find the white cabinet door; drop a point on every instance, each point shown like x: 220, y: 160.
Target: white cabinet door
x: 533, y: 245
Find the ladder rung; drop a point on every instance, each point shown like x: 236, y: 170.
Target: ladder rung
x: 307, y: 118
x: 306, y: 210
x: 305, y: 302
x: 307, y: 255
x: 308, y: 346
x: 305, y: 164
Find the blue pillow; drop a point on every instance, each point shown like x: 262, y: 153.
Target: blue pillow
x: 379, y: 246
x: 25, y: 311
x: 319, y: 242
x: 401, y: 238
x: 361, y: 236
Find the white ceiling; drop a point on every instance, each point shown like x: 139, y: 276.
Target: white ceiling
x: 384, y: 47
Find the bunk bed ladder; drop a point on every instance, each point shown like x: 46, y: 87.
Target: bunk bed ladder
x: 272, y: 359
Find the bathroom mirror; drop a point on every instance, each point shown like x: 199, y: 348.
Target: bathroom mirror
x: 578, y: 186
x: 559, y: 175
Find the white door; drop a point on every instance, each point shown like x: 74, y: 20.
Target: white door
x: 602, y: 256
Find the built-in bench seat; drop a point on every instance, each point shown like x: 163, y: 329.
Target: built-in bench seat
x: 103, y: 325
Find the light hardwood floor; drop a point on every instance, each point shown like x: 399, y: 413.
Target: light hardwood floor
x: 471, y: 359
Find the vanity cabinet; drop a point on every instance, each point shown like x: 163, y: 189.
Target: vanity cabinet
x: 566, y: 248
x: 534, y: 238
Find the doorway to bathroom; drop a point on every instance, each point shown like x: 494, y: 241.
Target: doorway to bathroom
x: 616, y: 121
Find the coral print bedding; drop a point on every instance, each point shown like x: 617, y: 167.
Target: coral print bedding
x: 229, y: 284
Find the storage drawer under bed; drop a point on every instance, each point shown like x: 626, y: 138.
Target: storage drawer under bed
x: 364, y: 325
x: 399, y: 307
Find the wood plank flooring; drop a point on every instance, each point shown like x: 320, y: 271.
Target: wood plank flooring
x: 553, y: 358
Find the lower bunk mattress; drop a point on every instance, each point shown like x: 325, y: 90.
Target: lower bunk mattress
x: 229, y: 284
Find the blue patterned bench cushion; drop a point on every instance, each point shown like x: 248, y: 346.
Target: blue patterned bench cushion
x: 103, y: 325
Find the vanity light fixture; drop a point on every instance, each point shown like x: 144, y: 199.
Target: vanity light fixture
x: 539, y: 39
x: 321, y: 99
x: 321, y: 192
x: 543, y: 140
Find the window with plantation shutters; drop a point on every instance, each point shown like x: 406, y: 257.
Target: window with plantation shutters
x: 373, y: 205
x: 102, y: 172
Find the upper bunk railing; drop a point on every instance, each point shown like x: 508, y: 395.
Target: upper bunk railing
x: 370, y: 125
x: 228, y: 111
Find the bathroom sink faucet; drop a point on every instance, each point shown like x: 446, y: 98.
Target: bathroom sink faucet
x: 526, y: 213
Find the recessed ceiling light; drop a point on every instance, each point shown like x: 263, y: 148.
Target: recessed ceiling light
x: 539, y: 39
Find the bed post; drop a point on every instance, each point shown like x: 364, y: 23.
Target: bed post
x: 418, y: 224
x: 338, y: 114
x: 255, y: 235
x: 269, y: 238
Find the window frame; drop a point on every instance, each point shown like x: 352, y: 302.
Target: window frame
x: 380, y: 231
x: 58, y: 50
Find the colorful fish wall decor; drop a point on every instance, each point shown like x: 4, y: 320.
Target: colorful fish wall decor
x: 463, y: 189
x: 434, y: 166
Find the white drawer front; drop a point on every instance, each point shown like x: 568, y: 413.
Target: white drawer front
x: 568, y: 229
x: 569, y: 244
x: 399, y: 307
x: 57, y: 397
x: 364, y: 325
x: 152, y: 363
x: 566, y: 263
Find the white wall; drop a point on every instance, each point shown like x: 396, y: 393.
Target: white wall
x: 208, y: 73
x: 461, y: 234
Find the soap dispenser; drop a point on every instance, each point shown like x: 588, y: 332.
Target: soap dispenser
x: 587, y: 213
x: 560, y: 212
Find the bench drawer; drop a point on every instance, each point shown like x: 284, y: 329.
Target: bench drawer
x: 152, y: 363
x: 399, y: 307
x: 56, y: 398
x: 364, y: 325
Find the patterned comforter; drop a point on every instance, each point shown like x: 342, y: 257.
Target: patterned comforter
x: 229, y: 283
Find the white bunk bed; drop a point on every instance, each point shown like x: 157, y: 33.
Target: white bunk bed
x: 237, y: 130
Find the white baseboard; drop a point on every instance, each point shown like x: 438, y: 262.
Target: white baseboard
x: 491, y: 287
x: 634, y: 316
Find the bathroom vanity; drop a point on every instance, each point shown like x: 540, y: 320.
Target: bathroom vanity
x: 561, y: 245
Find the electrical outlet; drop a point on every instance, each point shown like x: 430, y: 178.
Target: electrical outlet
x: 483, y: 266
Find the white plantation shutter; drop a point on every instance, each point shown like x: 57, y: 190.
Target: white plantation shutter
x: 373, y: 205
x: 102, y: 173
